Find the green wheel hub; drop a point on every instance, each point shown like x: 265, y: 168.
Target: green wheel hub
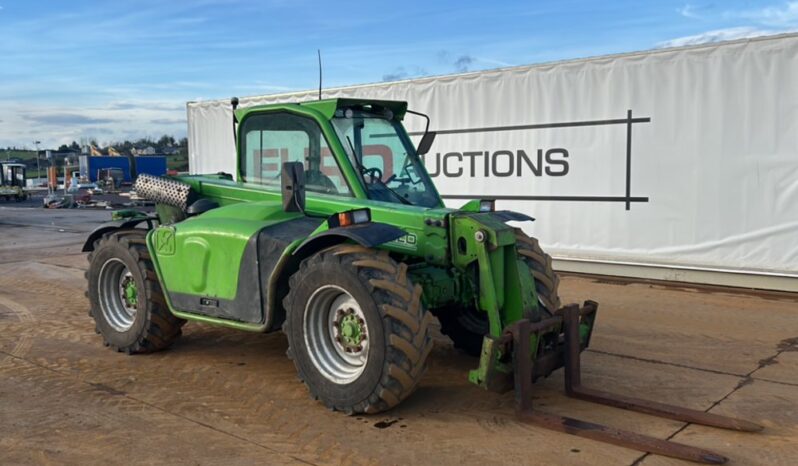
x: 129, y: 292
x: 350, y: 330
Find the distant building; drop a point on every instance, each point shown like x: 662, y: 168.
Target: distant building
x: 149, y: 150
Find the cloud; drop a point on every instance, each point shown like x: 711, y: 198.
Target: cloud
x: 719, y: 35
x: 396, y: 75
x: 144, y: 105
x: 780, y: 16
x: 115, y: 120
x: 688, y: 11
x: 94, y: 131
x: 66, y: 119
x: 168, y: 121
x: 460, y: 63
x: 463, y: 62
x: 123, y: 106
x: 761, y: 22
x: 493, y: 61
x: 401, y: 72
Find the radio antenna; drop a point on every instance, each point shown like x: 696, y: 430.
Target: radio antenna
x: 318, y: 51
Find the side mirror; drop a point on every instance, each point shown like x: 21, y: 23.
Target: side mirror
x: 293, y: 187
x: 426, y: 142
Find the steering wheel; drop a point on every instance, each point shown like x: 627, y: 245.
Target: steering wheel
x: 374, y: 174
x: 402, y: 181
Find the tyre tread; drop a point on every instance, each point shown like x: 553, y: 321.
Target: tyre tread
x: 406, y: 322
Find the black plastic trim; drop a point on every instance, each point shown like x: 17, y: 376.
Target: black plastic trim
x: 510, y: 216
x: 108, y: 227
x: 367, y: 234
x: 259, y: 261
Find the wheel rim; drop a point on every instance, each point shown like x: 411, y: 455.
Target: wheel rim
x: 118, y: 295
x: 336, y: 334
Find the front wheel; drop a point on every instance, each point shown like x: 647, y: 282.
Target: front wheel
x: 467, y: 327
x: 357, y: 331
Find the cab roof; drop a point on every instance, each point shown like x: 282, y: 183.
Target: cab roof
x: 327, y: 107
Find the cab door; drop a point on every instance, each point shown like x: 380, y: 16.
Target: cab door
x: 270, y: 139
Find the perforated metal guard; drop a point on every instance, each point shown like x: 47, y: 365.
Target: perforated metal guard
x: 164, y: 191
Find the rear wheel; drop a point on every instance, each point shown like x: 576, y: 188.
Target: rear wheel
x: 467, y: 327
x: 127, y: 303
x: 357, y: 331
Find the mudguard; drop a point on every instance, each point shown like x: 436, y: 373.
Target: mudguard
x: 369, y: 234
x: 108, y: 227
x: 511, y: 216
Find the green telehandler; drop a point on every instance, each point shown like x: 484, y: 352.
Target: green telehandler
x: 333, y: 232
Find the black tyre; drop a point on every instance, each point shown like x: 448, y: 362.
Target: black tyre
x: 357, y: 331
x: 547, y: 283
x: 467, y: 327
x: 127, y: 303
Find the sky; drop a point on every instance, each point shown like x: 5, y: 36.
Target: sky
x: 79, y: 69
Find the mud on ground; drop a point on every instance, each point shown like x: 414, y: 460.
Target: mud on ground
x: 219, y: 396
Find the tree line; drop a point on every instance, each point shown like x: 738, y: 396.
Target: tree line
x: 166, y: 144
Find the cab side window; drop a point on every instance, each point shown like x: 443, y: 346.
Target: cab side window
x: 271, y: 139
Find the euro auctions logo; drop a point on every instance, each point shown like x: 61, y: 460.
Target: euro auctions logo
x: 499, y: 164
x: 513, y: 163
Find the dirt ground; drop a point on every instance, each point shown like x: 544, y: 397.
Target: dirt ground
x: 219, y: 396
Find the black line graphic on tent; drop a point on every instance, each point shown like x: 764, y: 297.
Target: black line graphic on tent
x: 627, y: 198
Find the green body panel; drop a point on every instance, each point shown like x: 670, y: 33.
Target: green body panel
x: 424, y: 238
x: 211, y: 247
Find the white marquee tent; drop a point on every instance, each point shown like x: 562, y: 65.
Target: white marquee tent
x: 678, y: 164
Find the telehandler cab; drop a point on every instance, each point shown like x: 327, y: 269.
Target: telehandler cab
x: 333, y: 231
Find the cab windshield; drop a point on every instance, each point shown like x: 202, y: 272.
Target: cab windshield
x: 384, y: 157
